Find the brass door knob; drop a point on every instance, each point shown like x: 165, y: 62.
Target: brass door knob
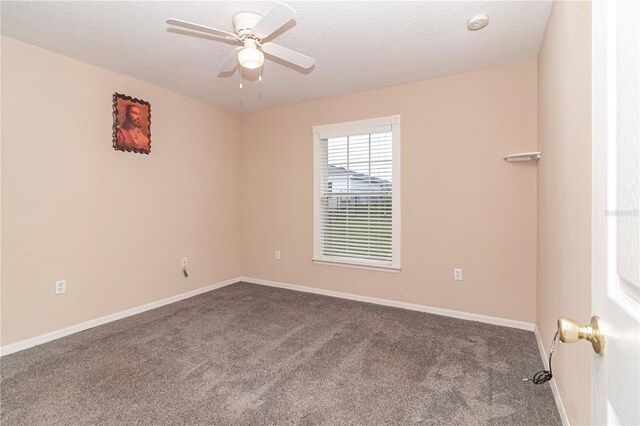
x: 570, y: 331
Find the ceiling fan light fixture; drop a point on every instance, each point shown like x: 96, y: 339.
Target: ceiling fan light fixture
x: 250, y: 57
x: 250, y: 29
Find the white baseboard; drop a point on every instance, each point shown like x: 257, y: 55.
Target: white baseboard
x: 554, y: 386
x: 394, y: 303
x: 38, y: 340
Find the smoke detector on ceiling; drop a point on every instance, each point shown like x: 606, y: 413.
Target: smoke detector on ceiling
x: 478, y: 22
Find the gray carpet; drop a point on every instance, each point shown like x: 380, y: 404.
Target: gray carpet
x: 248, y: 354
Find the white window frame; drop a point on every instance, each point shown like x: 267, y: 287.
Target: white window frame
x: 374, y: 125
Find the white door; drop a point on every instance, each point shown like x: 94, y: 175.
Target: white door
x: 616, y: 207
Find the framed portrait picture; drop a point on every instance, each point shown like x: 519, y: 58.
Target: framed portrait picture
x: 131, y: 124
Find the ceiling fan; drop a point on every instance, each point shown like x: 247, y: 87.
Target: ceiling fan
x: 250, y: 30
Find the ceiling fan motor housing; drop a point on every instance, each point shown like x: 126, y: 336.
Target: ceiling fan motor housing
x: 244, y: 22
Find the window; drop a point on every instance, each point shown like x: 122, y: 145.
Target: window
x: 357, y: 193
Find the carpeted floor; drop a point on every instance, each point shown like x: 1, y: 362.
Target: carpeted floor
x: 248, y: 354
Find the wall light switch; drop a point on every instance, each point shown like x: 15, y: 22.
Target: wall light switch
x: 277, y: 254
x: 61, y: 286
x: 457, y: 274
x: 184, y: 262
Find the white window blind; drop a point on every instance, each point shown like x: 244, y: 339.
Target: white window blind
x: 357, y: 216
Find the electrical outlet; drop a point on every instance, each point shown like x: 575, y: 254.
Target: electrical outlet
x: 277, y: 254
x: 457, y: 274
x: 184, y: 262
x: 61, y: 286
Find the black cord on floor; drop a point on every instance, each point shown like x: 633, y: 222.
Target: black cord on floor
x: 545, y: 375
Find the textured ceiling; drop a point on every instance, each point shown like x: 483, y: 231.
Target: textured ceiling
x: 357, y: 45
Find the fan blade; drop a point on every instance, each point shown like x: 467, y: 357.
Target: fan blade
x: 201, y: 35
x: 277, y: 17
x: 288, y: 55
x: 201, y: 28
x: 230, y: 64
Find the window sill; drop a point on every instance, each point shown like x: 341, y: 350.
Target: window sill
x: 357, y: 265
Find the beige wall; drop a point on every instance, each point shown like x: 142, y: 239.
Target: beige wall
x: 564, y: 195
x: 228, y: 191
x: 462, y: 205
x: 113, y: 224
